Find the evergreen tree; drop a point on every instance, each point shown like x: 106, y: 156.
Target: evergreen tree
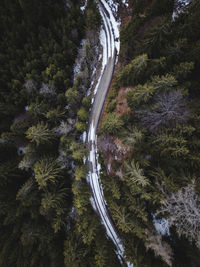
x: 40, y: 134
x: 111, y: 123
x: 46, y: 171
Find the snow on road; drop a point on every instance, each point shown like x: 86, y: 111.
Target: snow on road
x: 109, y: 39
x: 114, y: 25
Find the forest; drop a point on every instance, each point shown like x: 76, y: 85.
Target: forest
x: 151, y: 126
x: 46, y: 218
x: 148, y: 135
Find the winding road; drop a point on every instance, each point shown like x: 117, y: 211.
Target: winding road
x: 110, y: 32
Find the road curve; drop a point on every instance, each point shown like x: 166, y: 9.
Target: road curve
x: 103, y: 84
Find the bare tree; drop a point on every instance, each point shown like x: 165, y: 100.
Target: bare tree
x: 63, y: 129
x: 168, y: 108
x: 160, y: 247
x: 47, y: 89
x: 183, y: 208
x: 30, y: 85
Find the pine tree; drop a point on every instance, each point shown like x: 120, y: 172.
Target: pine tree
x: 55, y: 115
x: 46, y: 171
x: 134, y: 175
x: 81, y: 197
x: 40, y: 134
x: 83, y: 114
x: 132, y: 72
x: 73, y: 97
x: 131, y: 137
x: 78, y: 151
x: 183, y: 70
x: 122, y: 218
x: 112, y: 123
x: 140, y: 94
x: 80, y: 172
x: 74, y: 251
x: 163, y: 83
x: 171, y: 145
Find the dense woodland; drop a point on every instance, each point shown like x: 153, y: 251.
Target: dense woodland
x: 157, y: 127
x: 46, y: 216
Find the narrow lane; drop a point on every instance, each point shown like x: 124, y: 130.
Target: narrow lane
x: 110, y: 48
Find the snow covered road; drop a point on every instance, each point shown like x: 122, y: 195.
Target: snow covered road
x: 109, y: 38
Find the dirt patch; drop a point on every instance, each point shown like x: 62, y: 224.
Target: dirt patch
x: 121, y: 105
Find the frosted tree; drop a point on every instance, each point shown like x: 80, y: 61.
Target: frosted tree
x: 62, y: 159
x: 183, y: 208
x: 63, y: 129
x: 30, y: 85
x: 47, y: 89
x: 168, y: 108
x: 160, y: 247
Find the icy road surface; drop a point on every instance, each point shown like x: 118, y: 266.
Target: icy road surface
x: 109, y: 38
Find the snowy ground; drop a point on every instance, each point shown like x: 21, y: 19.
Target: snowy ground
x: 161, y: 226
x: 180, y: 4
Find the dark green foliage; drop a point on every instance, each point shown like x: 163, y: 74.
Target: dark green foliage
x: 45, y: 210
x: 157, y: 174
x: 93, y: 20
x: 111, y: 123
x: 133, y: 72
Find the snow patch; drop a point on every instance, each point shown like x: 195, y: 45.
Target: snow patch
x: 125, y: 2
x: 113, y: 24
x: 84, y: 159
x: 82, y: 8
x: 109, y: 39
x: 179, y: 7
x: 93, y: 203
x: 83, y: 137
x: 113, y: 5
x: 161, y: 226
x: 78, y: 62
x: 109, y: 167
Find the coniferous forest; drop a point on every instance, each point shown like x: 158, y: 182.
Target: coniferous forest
x: 149, y: 135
